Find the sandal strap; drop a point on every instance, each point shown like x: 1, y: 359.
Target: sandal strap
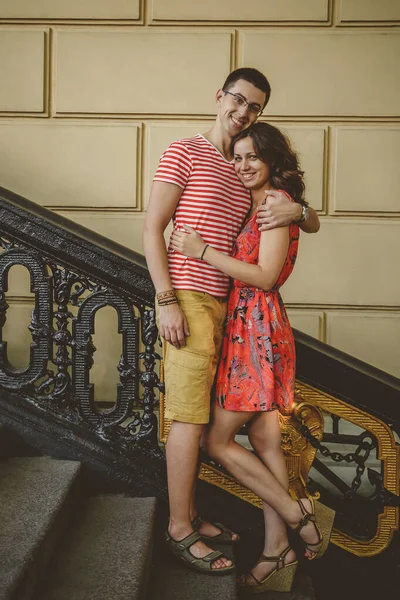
x: 279, y: 560
x: 225, y: 534
x: 306, y: 518
x: 210, y: 558
x: 186, y: 542
x: 257, y: 581
x: 197, y: 522
x: 181, y: 549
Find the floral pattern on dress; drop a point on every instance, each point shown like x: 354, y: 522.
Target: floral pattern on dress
x: 257, y: 367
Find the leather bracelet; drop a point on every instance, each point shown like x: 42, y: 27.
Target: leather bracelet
x: 166, y: 294
x: 204, y: 249
x: 168, y: 301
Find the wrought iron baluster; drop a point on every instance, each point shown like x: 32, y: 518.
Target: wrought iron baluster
x: 40, y: 327
x: 149, y: 378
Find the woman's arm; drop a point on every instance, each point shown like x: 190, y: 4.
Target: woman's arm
x: 272, y: 254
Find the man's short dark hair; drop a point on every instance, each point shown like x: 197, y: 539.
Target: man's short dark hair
x: 253, y: 76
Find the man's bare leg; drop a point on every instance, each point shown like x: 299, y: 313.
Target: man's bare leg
x: 208, y: 529
x: 182, y: 450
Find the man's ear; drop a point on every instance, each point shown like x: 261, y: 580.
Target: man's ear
x: 219, y: 95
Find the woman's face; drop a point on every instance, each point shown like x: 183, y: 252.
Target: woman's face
x: 251, y: 170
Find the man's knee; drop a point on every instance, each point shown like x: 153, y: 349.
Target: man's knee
x: 186, y: 433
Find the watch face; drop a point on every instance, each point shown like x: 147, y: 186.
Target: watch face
x: 305, y: 213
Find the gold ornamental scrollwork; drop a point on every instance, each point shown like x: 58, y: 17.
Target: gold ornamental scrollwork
x: 387, y: 451
x: 299, y: 455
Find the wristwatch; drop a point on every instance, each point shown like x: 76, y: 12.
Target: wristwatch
x: 305, y: 213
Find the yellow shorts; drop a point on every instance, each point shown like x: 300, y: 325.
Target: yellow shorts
x: 189, y: 372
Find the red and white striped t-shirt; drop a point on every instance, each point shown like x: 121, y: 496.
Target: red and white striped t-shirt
x: 213, y: 202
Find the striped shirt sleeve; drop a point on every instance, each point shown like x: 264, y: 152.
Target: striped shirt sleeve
x: 175, y: 165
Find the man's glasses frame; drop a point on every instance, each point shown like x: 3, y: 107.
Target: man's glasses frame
x: 255, y: 109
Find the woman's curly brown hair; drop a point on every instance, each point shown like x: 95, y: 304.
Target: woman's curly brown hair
x: 274, y: 148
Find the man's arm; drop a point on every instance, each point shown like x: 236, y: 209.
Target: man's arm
x: 279, y: 211
x: 164, y: 198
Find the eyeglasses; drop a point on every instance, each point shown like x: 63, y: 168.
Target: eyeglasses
x: 255, y: 109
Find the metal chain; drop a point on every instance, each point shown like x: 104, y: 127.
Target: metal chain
x: 355, y: 457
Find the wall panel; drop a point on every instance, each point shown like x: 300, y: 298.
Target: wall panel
x: 309, y: 142
x: 124, y: 228
x: 308, y: 321
x: 73, y: 9
x: 359, y: 185
x: 17, y: 334
x: 19, y: 282
x: 237, y: 10
x: 326, y: 73
x: 369, y: 10
x: 109, y: 71
x: 348, y: 262
x: 22, y: 66
x: 108, y: 344
x: 369, y: 336
x: 70, y: 164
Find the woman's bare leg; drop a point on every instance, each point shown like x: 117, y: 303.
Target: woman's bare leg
x: 251, y: 471
x: 265, y: 436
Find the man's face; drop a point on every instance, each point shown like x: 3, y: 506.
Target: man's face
x: 234, y: 111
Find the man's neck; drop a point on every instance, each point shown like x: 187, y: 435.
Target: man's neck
x: 220, y: 140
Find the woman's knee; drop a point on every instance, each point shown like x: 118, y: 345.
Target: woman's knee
x: 214, y: 445
x: 265, y: 444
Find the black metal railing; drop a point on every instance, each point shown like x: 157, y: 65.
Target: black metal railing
x: 74, y: 273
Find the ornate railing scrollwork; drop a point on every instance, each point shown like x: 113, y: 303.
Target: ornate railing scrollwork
x: 40, y: 327
x: 73, y: 276
x: 82, y: 360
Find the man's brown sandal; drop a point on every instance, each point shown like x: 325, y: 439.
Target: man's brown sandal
x: 225, y: 537
x: 323, y: 518
x: 181, y: 549
x: 279, y: 580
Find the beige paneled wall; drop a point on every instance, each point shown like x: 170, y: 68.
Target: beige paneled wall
x: 22, y: 69
x: 94, y: 90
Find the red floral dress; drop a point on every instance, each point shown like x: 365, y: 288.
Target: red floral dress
x: 257, y: 367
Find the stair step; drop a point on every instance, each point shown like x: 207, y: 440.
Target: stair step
x: 13, y: 445
x: 107, y: 554
x: 32, y: 493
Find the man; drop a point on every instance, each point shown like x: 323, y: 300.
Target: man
x: 196, y: 185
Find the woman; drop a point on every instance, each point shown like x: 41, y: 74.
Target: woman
x: 257, y: 369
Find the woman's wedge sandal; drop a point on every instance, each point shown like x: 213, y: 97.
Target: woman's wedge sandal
x: 323, y: 518
x: 279, y: 580
x: 181, y: 549
x: 225, y: 537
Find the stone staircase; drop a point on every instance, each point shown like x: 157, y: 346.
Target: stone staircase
x: 61, y: 540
